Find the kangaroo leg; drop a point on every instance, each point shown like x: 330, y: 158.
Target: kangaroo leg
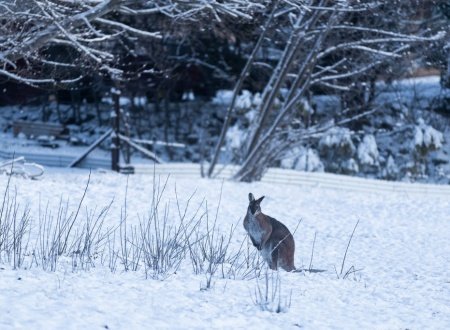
x: 274, y: 262
x: 286, y: 258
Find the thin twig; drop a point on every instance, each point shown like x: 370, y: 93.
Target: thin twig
x: 348, y: 245
x: 312, y: 252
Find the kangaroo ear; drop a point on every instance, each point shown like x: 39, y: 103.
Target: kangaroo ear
x: 251, y: 198
x: 260, y: 199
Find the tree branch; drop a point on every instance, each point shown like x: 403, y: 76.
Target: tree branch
x: 44, y: 36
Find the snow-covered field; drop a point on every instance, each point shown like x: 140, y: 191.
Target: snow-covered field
x: 400, y: 248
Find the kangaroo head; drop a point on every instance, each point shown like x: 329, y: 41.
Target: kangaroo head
x: 254, y: 204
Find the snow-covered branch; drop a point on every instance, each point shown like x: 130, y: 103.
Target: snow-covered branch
x: 360, y: 43
x: 30, y: 28
x: 34, y: 82
x: 40, y: 38
x: 376, y: 51
x: 381, y: 32
x: 128, y: 28
x: 359, y: 70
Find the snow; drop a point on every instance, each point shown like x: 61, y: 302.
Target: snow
x: 125, y: 101
x: 307, y: 108
x: 400, y: 245
x: 350, y: 166
x: 431, y: 80
x: 302, y: 159
x: 188, y: 96
x: 337, y: 137
x: 391, y: 170
x: 235, y: 137
x: 368, y: 150
x: 414, y: 93
x: 222, y: 97
x: 427, y: 137
x: 244, y: 100
x: 310, y: 161
x: 257, y: 100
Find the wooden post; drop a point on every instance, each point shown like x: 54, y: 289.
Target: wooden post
x: 115, y: 122
x: 127, y: 153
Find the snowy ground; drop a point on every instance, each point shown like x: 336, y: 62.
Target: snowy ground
x: 400, y: 245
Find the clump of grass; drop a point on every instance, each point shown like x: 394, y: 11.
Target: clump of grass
x: 268, y: 296
x: 89, y: 242
x: 209, y: 251
x: 57, y: 237
x: 15, y: 224
x: 156, y: 244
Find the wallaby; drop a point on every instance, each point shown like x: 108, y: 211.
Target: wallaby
x: 269, y: 236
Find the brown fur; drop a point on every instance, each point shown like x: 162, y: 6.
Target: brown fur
x: 269, y: 236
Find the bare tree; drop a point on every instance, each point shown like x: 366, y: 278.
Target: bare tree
x: 237, y: 89
x: 327, y: 47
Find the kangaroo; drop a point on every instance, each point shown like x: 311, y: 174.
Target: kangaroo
x: 269, y: 236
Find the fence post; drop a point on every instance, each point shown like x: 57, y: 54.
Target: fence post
x: 115, y: 122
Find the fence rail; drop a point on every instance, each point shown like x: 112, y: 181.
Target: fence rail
x: 59, y: 160
x: 273, y: 175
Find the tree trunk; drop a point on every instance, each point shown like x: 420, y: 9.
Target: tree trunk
x: 237, y: 90
x: 259, y: 156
